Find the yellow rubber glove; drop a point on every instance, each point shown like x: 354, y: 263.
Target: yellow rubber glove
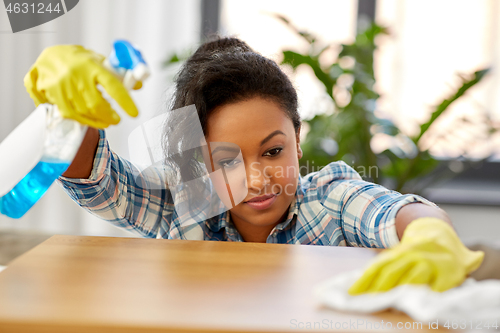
x: 430, y: 252
x: 67, y: 76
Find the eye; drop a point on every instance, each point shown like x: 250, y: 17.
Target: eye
x: 273, y: 152
x: 228, y: 163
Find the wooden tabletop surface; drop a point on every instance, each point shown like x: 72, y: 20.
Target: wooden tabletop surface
x: 100, y: 284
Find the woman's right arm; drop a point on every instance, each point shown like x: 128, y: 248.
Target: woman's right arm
x: 99, y: 180
x: 82, y: 164
x: 118, y: 192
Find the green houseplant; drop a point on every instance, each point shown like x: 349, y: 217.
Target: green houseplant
x: 354, y: 122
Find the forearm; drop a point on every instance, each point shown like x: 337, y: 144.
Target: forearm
x: 413, y: 211
x: 122, y: 194
x: 82, y: 164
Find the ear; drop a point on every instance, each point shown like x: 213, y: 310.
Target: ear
x: 299, y: 150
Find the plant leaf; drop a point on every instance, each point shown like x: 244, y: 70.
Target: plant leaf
x: 466, y: 85
x: 296, y: 59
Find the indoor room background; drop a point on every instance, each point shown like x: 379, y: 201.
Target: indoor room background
x: 417, y: 65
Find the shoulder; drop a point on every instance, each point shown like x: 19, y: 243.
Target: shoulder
x: 334, y: 171
x: 336, y: 178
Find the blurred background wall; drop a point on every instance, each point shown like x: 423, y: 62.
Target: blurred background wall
x: 415, y: 66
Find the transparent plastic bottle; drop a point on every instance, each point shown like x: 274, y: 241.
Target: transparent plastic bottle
x: 61, y: 138
x: 31, y: 188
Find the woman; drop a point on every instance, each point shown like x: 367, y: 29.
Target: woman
x: 244, y: 99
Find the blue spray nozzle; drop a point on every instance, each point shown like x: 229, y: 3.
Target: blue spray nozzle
x: 125, y: 55
x: 127, y: 61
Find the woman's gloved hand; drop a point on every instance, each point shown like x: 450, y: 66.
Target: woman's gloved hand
x: 67, y: 76
x: 430, y: 252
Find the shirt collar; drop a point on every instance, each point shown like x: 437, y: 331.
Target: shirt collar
x: 218, y: 222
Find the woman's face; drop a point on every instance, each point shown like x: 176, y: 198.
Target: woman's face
x: 269, y: 152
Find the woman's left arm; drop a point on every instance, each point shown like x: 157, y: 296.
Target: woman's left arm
x: 416, y: 210
x: 430, y: 252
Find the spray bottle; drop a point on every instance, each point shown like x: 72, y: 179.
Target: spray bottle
x: 43, y: 146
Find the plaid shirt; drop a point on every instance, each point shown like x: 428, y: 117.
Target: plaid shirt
x: 333, y: 206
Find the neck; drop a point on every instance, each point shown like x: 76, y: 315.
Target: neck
x: 255, y: 233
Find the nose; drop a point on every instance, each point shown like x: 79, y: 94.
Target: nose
x: 257, y: 180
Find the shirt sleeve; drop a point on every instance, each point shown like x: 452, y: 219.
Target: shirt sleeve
x: 120, y: 193
x: 366, y: 212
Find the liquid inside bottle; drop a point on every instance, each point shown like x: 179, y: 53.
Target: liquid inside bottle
x: 31, y: 188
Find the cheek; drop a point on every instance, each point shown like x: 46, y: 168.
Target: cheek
x: 285, y: 175
x: 221, y: 188
x: 234, y: 190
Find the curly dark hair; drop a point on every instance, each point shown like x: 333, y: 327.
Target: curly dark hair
x: 223, y: 70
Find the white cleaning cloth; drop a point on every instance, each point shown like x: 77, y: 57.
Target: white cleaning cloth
x: 473, y: 300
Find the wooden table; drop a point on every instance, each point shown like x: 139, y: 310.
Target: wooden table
x: 101, y: 284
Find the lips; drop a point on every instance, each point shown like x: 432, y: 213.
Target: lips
x: 262, y: 202
x: 262, y: 197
